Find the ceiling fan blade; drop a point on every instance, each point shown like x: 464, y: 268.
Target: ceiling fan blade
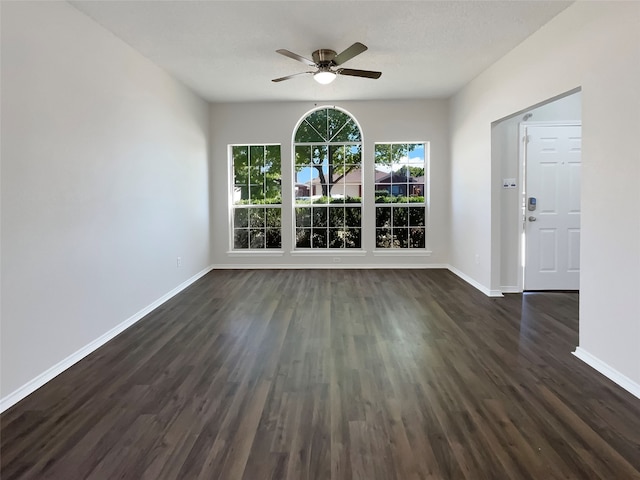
x: 355, y: 49
x: 358, y: 73
x: 290, y: 76
x: 295, y: 56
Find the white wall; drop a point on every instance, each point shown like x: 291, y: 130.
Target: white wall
x: 104, y: 184
x: 505, y: 152
x: 383, y: 121
x: 596, y: 46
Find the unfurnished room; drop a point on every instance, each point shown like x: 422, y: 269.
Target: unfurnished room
x: 319, y: 240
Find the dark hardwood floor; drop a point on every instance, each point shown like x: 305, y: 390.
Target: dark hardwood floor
x: 332, y: 374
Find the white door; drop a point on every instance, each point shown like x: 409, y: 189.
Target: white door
x: 552, y: 225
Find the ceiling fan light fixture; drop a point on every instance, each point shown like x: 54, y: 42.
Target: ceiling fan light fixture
x: 324, y: 77
x: 324, y: 60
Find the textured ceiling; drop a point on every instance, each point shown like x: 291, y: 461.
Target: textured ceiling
x: 225, y: 50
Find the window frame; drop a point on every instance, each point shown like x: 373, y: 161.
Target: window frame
x: 328, y: 206
x: 232, y: 206
x: 409, y: 251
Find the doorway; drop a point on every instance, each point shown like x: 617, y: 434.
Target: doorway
x: 552, y: 163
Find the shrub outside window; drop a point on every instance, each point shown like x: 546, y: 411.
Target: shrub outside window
x: 400, y: 182
x: 257, y: 196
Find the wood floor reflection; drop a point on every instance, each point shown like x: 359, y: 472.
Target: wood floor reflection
x: 332, y: 374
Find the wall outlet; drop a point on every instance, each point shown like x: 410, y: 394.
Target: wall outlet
x: 179, y: 262
x: 477, y: 259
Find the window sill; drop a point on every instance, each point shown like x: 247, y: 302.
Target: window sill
x: 328, y: 252
x: 256, y: 253
x: 402, y: 252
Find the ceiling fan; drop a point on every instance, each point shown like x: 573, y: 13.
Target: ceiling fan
x: 325, y: 60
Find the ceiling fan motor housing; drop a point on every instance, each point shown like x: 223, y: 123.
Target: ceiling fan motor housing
x: 324, y: 60
x: 323, y: 57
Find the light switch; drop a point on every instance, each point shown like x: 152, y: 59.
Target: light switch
x: 509, y: 183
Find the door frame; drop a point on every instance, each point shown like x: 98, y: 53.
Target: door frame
x: 522, y: 198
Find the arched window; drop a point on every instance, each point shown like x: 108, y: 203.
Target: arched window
x: 328, y: 180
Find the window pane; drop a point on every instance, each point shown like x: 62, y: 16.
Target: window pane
x: 241, y: 218
x: 401, y: 235
x: 241, y: 175
x: 382, y: 194
x: 272, y: 157
x: 273, y: 217
x: 336, y: 217
x: 416, y: 238
x: 318, y: 122
x: 398, y: 153
x: 303, y: 183
x: 384, y: 238
x: 382, y: 154
x: 338, y: 193
x: 240, y: 156
x: 320, y: 156
x: 352, y: 238
x: 256, y: 238
x: 400, y: 217
x: 256, y: 217
x: 336, y: 238
x: 319, y: 238
x: 383, y: 217
x: 303, y: 217
x: 336, y: 155
x: 272, y: 190
x: 352, y: 216
x: 256, y: 156
x: 256, y: 176
x: 416, y: 216
x: 303, y: 155
x: 256, y: 193
x: 319, y: 219
x: 353, y: 154
x: 241, y: 238
x: 342, y: 128
x: 240, y: 194
x: 273, y: 238
x: 303, y: 237
x: 352, y: 193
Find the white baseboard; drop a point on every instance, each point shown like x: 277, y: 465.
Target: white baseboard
x: 257, y: 266
x: 510, y: 289
x: 487, y: 291
x: 61, y: 366
x: 327, y: 266
x: 609, y: 372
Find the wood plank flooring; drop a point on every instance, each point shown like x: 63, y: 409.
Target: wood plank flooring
x: 332, y: 374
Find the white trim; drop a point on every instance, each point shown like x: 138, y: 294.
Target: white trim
x: 402, y: 252
x: 487, y: 291
x: 49, y: 374
x: 510, y: 289
x: 256, y: 253
x: 339, y: 266
x: 609, y: 372
x: 328, y: 252
x: 332, y: 266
